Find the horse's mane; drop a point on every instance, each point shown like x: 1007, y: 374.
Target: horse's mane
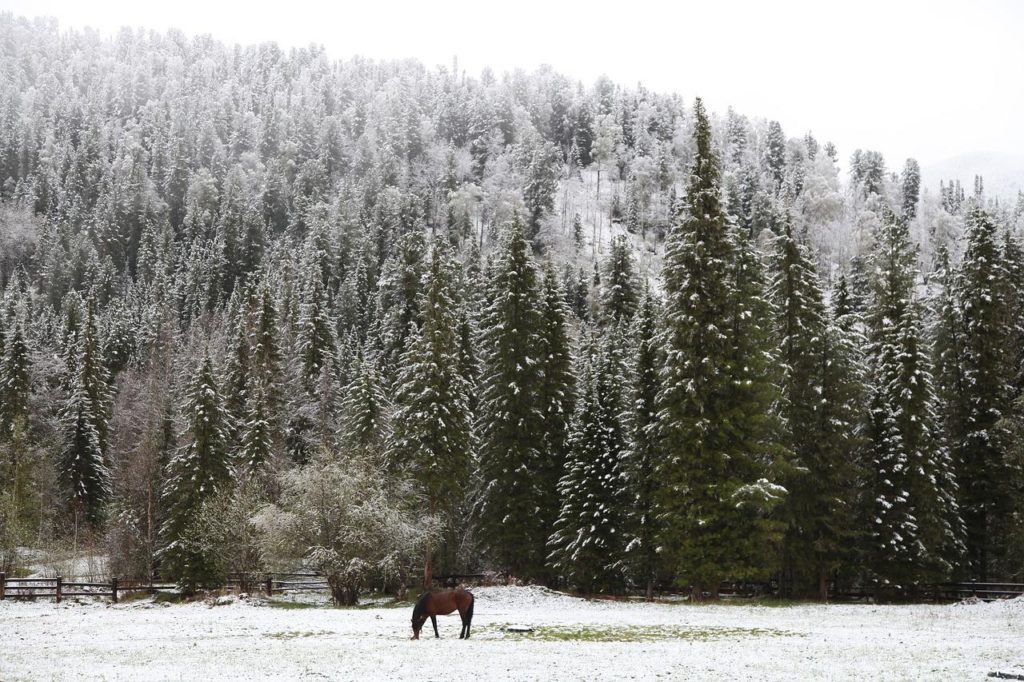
x: 421, y: 604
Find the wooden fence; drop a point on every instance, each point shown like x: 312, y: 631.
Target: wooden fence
x: 56, y: 588
x: 281, y: 583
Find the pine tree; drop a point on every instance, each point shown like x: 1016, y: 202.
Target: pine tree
x: 588, y: 545
x: 432, y: 434
x: 84, y: 468
x: 194, y: 475
x: 983, y: 291
x: 399, y: 298
x: 620, y: 290
x: 818, y: 396
x: 911, y: 190
x: 14, y: 381
x: 915, y: 523
x: 643, y: 458
x: 511, y: 423
x: 708, y: 531
x: 557, y: 390
x: 366, y: 410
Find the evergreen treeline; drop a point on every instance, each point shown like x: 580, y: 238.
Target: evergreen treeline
x: 262, y: 308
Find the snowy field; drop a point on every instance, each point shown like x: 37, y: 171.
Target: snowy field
x: 572, y: 639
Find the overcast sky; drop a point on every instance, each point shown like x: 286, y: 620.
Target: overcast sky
x: 926, y: 79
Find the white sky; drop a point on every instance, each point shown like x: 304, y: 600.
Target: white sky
x: 930, y: 79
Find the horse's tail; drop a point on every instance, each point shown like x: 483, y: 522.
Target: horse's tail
x: 469, y: 612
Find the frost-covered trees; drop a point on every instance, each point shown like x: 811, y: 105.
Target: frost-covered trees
x: 345, y: 520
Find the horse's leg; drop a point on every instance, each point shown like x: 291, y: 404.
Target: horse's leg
x: 433, y: 619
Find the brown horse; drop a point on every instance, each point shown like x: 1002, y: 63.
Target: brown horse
x: 434, y: 604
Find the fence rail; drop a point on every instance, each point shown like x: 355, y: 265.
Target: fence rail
x: 281, y: 583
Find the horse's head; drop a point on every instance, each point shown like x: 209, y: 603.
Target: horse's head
x: 419, y: 616
x: 417, y: 625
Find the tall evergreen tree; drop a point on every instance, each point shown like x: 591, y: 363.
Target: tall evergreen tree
x: 84, y: 467
x: 194, y: 475
x: 643, y: 458
x: 620, y: 290
x: 708, y: 528
x: 915, y: 523
x: 984, y: 292
x: 817, y: 387
x: 432, y: 434
x: 588, y: 543
x: 511, y: 423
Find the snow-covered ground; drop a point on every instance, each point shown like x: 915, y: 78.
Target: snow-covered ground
x: 573, y: 639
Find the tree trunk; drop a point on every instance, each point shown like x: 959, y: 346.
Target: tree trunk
x: 649, y: 592
x: 823, y: 585
x: 597, y: 210
x: 428, y: 563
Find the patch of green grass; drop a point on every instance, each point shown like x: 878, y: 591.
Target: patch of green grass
x: 626, y: 633
x: 168, y: 598
x: 290, y: 605
x: 296, y: 634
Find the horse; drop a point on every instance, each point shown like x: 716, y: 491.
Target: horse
x: 433, y: 604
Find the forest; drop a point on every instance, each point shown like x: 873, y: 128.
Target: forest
x: 265, y: 309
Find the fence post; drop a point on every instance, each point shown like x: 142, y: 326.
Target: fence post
x: 113, y: 590
x: 270, y: 585
x: 3, y: 585
x: 58, y: 589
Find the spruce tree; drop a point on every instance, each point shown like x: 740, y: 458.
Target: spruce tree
x: 14, y: 381
x: 511, y: 423
x: 709, y: 532
x: 915, y: 523
x: 84, y: 467
x: 984, y: 293
x: 194, y: 475
x: 620, y: 289
x: 818, y: 395
x: 432, y: 435
x: 588, y: 542
x: 557, y: 387
x: 644, y: 454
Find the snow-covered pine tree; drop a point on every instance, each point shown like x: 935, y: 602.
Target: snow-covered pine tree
x: 588, y: 543
x: 511, y: 423
x: 706, y: 534
x: 83, y: 469
x: 644, y: 452
x: 432, y: 421
x: 557, y: 387
x: 365, y: 409
x: 984, y: 473
x: 816, y: 385
x: 916, y: 531
x: 199, y: 470
x: 620, y: 288
x: 14, y: 380
x: 398, y: 299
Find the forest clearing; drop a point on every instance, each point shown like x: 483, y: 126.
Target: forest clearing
x: 572, y: 639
